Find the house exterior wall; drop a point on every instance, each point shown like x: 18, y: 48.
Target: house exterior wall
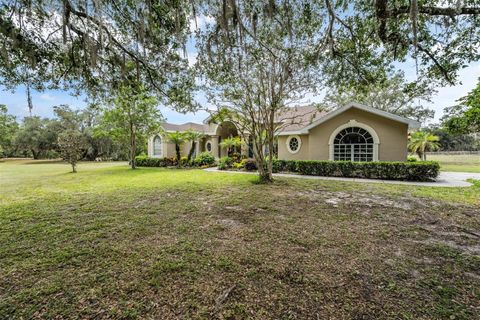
x: 393, y: 137
x: 302, y: 154
x: 150, y: 145
x: 168, y: 148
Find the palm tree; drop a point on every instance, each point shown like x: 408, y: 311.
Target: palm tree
x: 231, y: 144
x: 421, y: 142
x: 177, y: 138
x: 192, y: 136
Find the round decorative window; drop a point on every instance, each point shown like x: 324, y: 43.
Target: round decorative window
x: 293, y: 144
x: 208, y: 146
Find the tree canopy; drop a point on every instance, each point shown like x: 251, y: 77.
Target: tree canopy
x: 93, y: 46
x: 131, y: 116
x: 8, y: 129
x: 88, y: 44
x: 365, y: 38
x: 394, y: 95
x: 464, y: 117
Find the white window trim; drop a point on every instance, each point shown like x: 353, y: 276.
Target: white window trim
x: 354, y: 123
x: 211, y: 146
x: 161, y: 148
x: 299, y: 144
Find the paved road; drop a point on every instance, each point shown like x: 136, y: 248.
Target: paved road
x: 446, y: 179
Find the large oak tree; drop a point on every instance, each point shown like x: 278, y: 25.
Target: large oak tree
x: 86, y: 45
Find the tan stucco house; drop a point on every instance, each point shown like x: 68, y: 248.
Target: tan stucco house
x: 354, y: 132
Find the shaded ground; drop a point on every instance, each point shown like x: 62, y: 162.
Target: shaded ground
x: 155, y: 243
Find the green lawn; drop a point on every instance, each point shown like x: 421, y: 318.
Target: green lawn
x: 110, y: 242
x: 462, y: 163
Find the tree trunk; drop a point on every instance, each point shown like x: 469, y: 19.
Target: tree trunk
x: 177, y: 150
x: 74, y: 168
x: 263, y: 171
x: 192, y: 150
x: 34, y: 154
x: 133, y: 147
x: 270, y: 154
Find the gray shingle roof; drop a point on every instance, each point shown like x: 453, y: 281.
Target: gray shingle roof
x: 184, y: 127
x: 294, y: 118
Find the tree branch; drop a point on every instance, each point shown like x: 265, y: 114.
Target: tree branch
x: 434, y: 11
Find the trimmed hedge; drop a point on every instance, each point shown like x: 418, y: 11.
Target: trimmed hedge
x: 144, y: 161
x: 203, y: 159
x: 411, y: 171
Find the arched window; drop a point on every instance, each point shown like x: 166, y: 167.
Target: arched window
x: 157, y: 146
x: 353, y: 144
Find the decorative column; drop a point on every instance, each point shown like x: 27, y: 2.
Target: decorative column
x: 215, y: 148
x: 198, y: 147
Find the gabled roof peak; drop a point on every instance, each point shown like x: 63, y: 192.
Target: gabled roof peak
x: 412, y: 124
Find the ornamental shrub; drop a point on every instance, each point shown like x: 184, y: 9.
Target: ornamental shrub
x: 413, y: 171
x: 284, y: 165
x: 225, y: 163
x: 144, y: 161
x: 236, y: 157
x: 184, y: 161
x: 204, y: 159
x: 249, y: 164
x: 238, y: 165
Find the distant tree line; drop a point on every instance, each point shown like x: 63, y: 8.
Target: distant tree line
x: 40, y: 138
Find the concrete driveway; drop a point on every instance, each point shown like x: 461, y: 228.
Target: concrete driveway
x: 446, y: 179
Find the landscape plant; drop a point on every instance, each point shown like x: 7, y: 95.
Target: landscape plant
x: 71, y: 143
x: 231, y: 144
x: 225, y: 163
x: 410, y: 171
x: 257, y: 59
x: 204, y: 159
x: 193, y: 137
x: 178, y: 139
x: 422, y: 141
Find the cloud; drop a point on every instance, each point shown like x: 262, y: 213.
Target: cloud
x: 47, y: 97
